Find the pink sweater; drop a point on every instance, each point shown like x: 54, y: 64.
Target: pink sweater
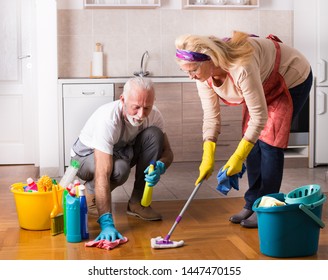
x: 245, y: 84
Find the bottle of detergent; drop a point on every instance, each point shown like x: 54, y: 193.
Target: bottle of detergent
x: 73, y: 221
x: 66, y: 191
x: 83, y: 213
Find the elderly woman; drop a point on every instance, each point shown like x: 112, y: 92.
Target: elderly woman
x: 272, y: 82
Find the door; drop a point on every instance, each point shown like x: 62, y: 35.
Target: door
x: 17, y: 109
x: 321, y: 120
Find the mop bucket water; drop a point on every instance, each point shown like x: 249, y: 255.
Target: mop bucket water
x: 33, y: 208
x: 291, y: 230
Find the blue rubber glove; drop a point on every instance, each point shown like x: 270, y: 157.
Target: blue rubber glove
x: 153, y: 177
x: 108, y: 230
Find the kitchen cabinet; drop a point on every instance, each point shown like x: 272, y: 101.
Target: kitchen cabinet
x: 321, y: 102
x: 192, y: 119
x: 122, y: 3
x: 321, y: 120
x: 221, y: 4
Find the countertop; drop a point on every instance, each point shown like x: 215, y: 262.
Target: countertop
x: 114, y: 80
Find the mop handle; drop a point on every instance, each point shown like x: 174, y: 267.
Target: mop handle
x: 178, y: 219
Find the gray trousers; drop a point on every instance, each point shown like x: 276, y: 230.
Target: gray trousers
x: 148, y: 146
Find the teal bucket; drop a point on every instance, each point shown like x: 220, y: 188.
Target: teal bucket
x: 291, y: 230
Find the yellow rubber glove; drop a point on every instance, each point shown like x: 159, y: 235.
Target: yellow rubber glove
x: 207, y: 165
x: 235, y: 162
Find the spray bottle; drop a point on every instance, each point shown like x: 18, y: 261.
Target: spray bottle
x: 70, y: 173
x: 148, y: 191
x: 83, y: 213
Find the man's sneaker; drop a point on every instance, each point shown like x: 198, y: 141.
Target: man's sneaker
x: 92, y: 208
x: 145, y: 213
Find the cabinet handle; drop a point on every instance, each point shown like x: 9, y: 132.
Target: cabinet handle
x: 88, y: 92
x: 321, y: 102
x: 24, y: 56
x: 322, y: 66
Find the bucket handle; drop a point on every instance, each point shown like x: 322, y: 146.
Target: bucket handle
x: 311, y: 215
x: 317, y: 203
x: 305, y: 209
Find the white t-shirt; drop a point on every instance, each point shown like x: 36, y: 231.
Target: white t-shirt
x: 106, y: 130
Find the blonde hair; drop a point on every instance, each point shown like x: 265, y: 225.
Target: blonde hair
x: 225, y: 54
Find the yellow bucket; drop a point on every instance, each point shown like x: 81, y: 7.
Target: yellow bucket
x: 33, y: 208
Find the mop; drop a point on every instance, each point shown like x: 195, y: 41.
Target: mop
x: 165, y: 243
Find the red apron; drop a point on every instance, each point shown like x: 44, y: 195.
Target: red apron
x: 280, y: 108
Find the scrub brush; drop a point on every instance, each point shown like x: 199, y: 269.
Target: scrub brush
x: 56, y: 215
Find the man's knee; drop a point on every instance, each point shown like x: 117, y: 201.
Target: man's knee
x: 154, y: 132
x: 121, y: 172
x: 153, y: 136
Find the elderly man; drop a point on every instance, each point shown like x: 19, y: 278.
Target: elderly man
x: 119, y: 135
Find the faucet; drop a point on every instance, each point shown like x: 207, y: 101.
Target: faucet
x: 143, y: 72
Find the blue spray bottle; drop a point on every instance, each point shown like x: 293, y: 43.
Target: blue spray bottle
x: 73, y: 222
x: 83, y: 213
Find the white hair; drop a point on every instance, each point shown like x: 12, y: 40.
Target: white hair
x: 140, y: 82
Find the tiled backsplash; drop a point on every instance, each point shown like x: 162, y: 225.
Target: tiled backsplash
x: 126, y: 34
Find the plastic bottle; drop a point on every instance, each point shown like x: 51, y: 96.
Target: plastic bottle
x: 70, y: 173
x: 73, y: 224
x: 65, y: 193
x: 76, y: 184
x: 148, y: 191
x: 83, y: 213
x: 31, y: 185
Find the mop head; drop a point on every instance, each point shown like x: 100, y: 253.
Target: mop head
x: 161, y: 243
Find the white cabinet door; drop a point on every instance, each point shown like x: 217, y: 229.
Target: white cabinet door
x: 17, y: 100
x: 322, y: 69
x: 79, y: 102
x: 321, y: 123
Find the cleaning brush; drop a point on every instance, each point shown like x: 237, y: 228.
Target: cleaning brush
x: 56, y: 215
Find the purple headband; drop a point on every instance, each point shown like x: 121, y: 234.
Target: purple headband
x: 191, y: 56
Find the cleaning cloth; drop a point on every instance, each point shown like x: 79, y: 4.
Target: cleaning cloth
x: 106, y: 244
x: 225, y: 182
x: 267, y: 201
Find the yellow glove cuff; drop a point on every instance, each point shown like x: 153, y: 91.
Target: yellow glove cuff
x: 243, y: 149
x: 235, y: 162
x: 207, y: 165
x: 209, y: 150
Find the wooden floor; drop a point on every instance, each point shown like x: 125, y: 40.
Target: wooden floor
x: 205, y: 229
